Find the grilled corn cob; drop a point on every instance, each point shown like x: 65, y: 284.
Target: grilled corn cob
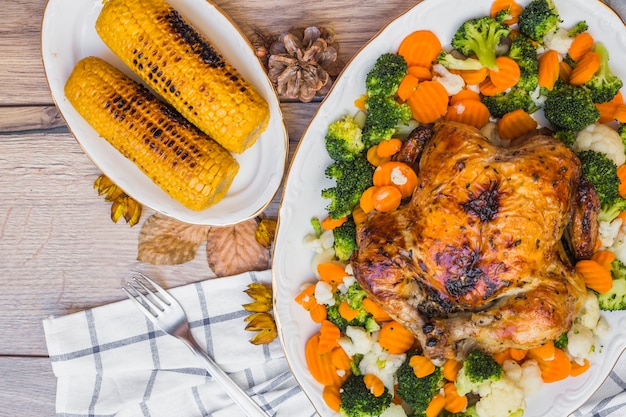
x: 187, y: 164
x: 162, y: 48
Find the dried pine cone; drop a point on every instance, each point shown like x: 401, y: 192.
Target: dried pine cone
x: 303, y: 63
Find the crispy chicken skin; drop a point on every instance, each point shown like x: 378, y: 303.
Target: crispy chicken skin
x: 476, y: 257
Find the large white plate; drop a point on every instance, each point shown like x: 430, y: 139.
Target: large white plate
x: 301, y: 199
x: 68, y: 34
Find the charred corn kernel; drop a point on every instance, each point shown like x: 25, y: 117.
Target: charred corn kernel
x: 188, y: 165
x: 180, y: 64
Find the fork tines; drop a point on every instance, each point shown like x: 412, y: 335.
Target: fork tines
x: 147, y: 294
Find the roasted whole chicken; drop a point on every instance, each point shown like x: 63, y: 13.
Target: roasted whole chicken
x: 477, y: 257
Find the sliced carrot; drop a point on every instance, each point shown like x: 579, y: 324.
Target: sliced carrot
x: 513, y: 8
x: 578, y: 369
x: 332, y: 273
x: 395, y: 337
x: 386, y: 198
x: 604, y: 258
x: 420, y: 48
x: 373, y: 158
x: 367, y: 202
x: 565, y: 71
x: 556, y: 369
x: 451, y: 368
x: 582, y: 43
x: 407, y: 86
x: 585, y: 68
x: 435, y: 406
x: 464, y: 94
x: 549, y: 69
x: 359, y: 103
x: 515, y: 124
x: 622, y: 217
x: 517, y: 354
x: 621, y: 174
x: 507, y: 73
x: 502, y: 356
x: 421, y: 73
x: 422, y: 366
x: 331, y: 397
x: 388, y: 147
x: 620, y: 113
x: 455, y: 403
x: 429, y: 102
x: 347, y: 312
x: 374, y: 384
x: 607, y: 111
x: 543, y: 352
x: 358, y: 215
x: 329, y: 337
x: 320, y: 364
x: 489, y: 89
x: 470, y: 112
x: 472, y: 77
x: 595, y: 275
x: 318, y: 312
x: 375, y: 310
x: 340, y: 359
x: 397, y: 174
x: 329, y: 223
x: 306, y: 298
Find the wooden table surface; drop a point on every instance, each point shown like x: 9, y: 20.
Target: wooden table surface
x: 59, y: 250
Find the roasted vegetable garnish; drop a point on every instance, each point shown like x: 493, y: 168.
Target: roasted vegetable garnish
x: 184, y: 162
x: 180, y: 64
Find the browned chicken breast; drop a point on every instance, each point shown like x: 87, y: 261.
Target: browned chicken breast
x: 476, y: 258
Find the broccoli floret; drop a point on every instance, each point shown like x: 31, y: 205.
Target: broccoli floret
x: 358, y: 401
x: 601, y: 172
x: 345, y: 240
x: 384, y: 115
x: 344, y: 139
x: 604, y: 85
x: 615, y: 298
x: 317, y: 226
x: 567, y: 137
x: 561, y: 341
x: 352, y: 177
x: 622, y: 133
x: 478, y: 368
x: 417, y: 392
x: 578, y: 28
x: 480, y: 37
x: 354, y: 296
x: 570, y: 107
x: 469, y: 412
x: 451, y: 62
x: 538, y: 19
x: 506, y: 102
x: 524, y: 53
x: 384, y: 78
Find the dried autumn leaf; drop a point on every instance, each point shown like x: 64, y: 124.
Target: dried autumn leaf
x: 265, y: 232
x: 264, y: 337
x: 264, y: 324
x: 234, y: 249
x: 166, y: 241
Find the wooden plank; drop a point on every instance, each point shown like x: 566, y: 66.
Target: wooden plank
x: 22, y: 78
x: 19, y: 119
x: 27, y: 387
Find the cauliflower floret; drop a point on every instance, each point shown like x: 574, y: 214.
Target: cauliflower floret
x: 559, y: 41
x: 358, y: 340
x: 319, y: 244
x: 603, y: 328
x: 608, y: 232
x: 394, y: 410
x: 327, y: 255
x: 512, y: 369
x: 619, y: 245
x: 589, y: 312
x: 324, y: 293
x: 453, y: 83
x: 502, y: 398
x: 381, y: 363
x: 580, y: 342
x: 601, y: 138
x: 531, y: 381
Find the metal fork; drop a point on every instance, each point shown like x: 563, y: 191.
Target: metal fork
x: 168, y: 315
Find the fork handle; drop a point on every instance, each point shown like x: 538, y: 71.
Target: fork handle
x: 238, y: 395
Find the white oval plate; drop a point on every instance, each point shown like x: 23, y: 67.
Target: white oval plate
x: 68, y: 34
x: 302, y: 201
